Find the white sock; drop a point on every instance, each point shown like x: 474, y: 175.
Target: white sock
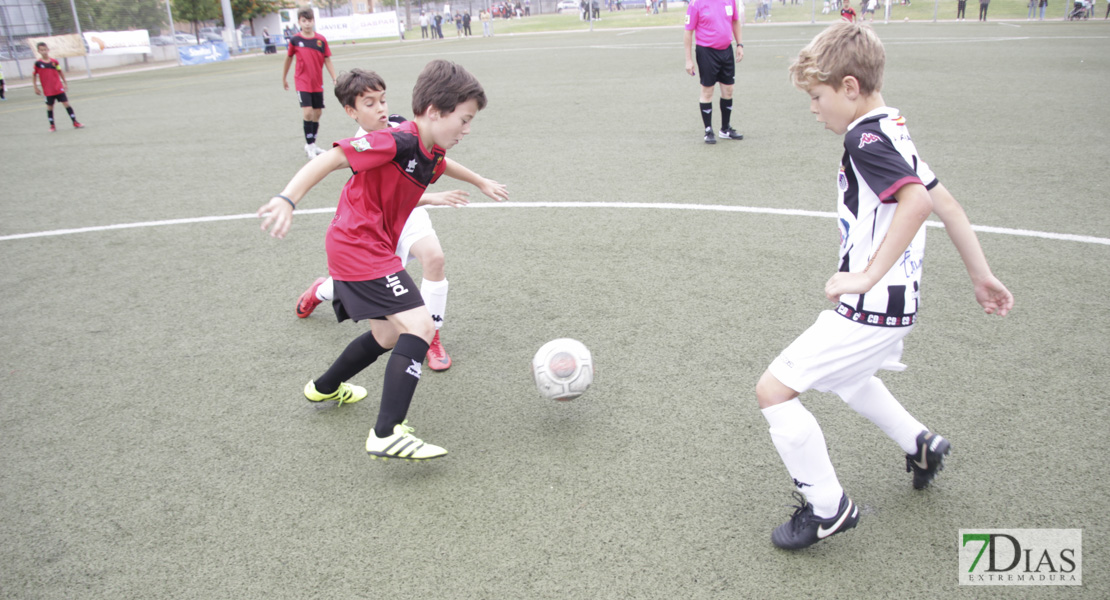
x: 876, y: 403
x: 435, y: 298
x: 326, y: 291
x: 800, y: 443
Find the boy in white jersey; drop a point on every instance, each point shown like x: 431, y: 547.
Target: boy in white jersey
x: 885, y: 194
x: 418, y: 238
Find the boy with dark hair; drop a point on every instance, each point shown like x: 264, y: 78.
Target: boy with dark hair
x: 313, y: 54
x: 362, y: 94
x: 49, y: 72
x: 392, y: 168
x: 886, y: 193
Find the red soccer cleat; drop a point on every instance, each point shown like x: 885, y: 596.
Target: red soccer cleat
x: 308, y: 300
x: 51, y: 128
x: 438, y: 359
x: 77, y: 125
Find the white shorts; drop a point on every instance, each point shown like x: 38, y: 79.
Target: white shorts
x: 838, y: 355
x: 418, y: 227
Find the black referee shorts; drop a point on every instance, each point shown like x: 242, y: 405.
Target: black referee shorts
x: 716, y: 66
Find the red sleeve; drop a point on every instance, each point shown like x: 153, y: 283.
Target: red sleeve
x: 369, y: 151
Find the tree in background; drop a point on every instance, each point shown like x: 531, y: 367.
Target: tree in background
x: 106, y: 15
x: 248, y: 10
x: 195, y: 11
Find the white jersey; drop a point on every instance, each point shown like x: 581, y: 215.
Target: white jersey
x: 879, y: 159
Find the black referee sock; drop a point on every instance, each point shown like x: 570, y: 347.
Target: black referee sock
x: 309, y: 136
x: 50, y: 116
x: 402, y: 373
x: 707, y: 115
x: 358, y: 355
x: 726, y: 112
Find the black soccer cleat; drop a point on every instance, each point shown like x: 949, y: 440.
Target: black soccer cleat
x: 928, y: 460
x: 805, y: 529
x: 731, y: 134
x: 709, y: 139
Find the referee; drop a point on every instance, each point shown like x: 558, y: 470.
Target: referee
x: 716, y: 23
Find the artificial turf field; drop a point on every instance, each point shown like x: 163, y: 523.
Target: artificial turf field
x: 155, y: 442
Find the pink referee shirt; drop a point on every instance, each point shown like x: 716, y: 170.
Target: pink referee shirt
x: 711, y: 22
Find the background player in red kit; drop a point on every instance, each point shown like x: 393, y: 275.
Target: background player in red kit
x: 392, y: 168
x: 313, y: 54
x: 49, y: 72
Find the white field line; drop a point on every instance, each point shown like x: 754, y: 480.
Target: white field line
x: 1067, y: 237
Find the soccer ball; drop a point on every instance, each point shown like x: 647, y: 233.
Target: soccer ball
x: 563, y: 369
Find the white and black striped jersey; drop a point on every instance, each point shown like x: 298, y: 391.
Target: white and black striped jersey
x: 879, y: 159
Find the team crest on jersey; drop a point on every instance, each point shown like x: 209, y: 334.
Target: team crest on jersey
x: 842, y: 180
x: 687, y: 19
x: 361, y: 144
x: 319, y: 43
x: 867, y: 138
x: 900, y: 121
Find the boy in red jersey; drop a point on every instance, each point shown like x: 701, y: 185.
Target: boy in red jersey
x: 392, y: 168
x: 313, y: 54
x: 848, y: 13
x: 362, y: 94
x: 49, y: 72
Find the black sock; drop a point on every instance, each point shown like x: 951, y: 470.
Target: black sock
x: 358, y: 355
x: 726, y: 112
x: 309, y: 137
x: 707, y: 115
x: 50, y: 116
x: 315, y: 131
x: 402, y: 373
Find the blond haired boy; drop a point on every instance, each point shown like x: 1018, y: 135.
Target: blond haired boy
x: 885, y: 194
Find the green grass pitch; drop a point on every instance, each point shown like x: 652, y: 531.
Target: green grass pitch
x: 154, y: 438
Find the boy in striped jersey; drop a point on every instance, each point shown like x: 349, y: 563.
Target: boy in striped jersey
x: 885, y: 194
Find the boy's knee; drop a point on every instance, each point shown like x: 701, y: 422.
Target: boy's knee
x: 434, y: 263
x: 769, y: 391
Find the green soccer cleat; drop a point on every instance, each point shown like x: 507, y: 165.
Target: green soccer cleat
x: 346, y: 394
x: 402, y: 444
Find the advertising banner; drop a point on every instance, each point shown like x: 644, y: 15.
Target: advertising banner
x: 109, y: 43
x: 61, y: 46
x: 354, y: 27
x: 207, y: 52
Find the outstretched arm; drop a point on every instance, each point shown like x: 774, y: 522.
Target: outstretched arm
x: 278, y: 212
x: 489, y: 187
x: 914, y: 206
x: 285, y: 72
x: 991, y: 294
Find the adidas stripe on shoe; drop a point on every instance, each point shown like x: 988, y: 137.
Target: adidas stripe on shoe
x: 402, y: 444
x: 346, y: 394
x: 805, y: 529
x: 928, y: 460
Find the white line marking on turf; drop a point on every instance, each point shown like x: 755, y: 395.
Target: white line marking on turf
x: 789, y: 212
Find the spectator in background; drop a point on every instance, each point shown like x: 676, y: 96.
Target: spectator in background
x: 466, y: 23
x: 487, y: 23
x: 983, y: 4
x: 960, y: 6
x: 848, y: 13
x: 423, y: 25
x: 458, y: 25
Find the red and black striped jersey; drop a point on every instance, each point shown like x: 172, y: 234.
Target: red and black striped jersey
x: 49, y: 72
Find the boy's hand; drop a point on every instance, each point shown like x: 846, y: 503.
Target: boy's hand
x: 279, y: 213
x: 37, y: 92
x: 456, y: 198
x: 285, y: 83
x: 690, y: 67
x: 993, y: 296
x: 847, y: 283
x: 496, y: 191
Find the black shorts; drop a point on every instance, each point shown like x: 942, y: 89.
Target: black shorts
x: 376, y: 299
x: 716, y: 66
x: 50, y: 100
x: 313, y: 99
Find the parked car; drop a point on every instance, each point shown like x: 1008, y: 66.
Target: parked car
x: 570, y: 5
